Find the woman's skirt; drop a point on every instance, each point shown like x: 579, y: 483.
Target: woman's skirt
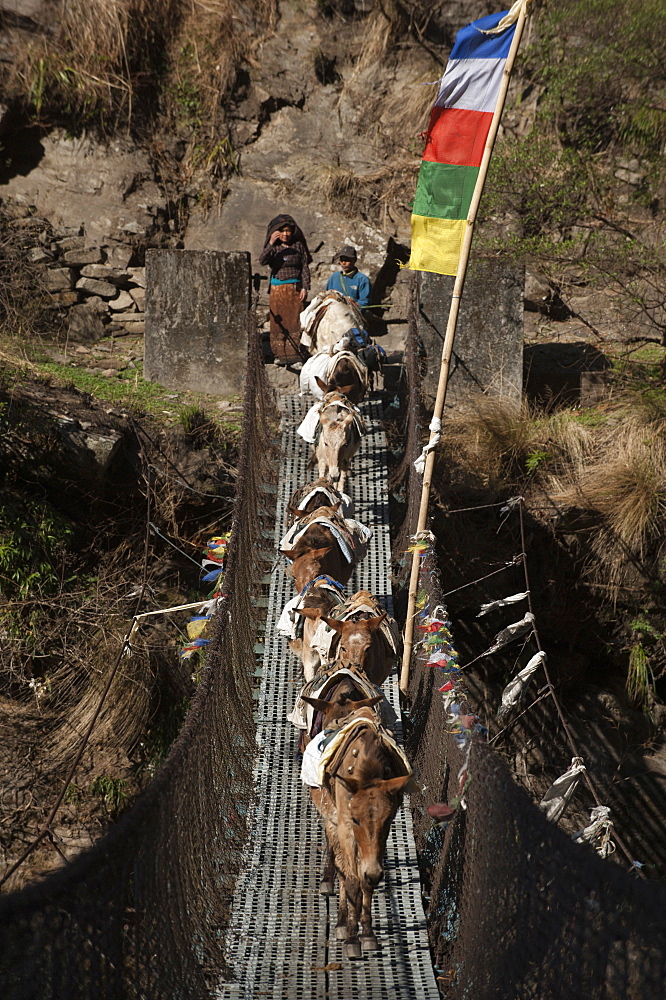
x: 285, y: 324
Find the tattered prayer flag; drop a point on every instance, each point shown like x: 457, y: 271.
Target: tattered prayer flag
x: 502, y: 603
x: 511, y: 632
x: 514, y: 690
x: 560, y: 792
x: 196, y: 626
x: 455, y: 142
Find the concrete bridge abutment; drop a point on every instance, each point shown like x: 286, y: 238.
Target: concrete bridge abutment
x: 197, y: 304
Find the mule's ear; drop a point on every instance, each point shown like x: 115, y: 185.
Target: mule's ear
x: 289, y: 553
x: 319, y: 704
x: 325, y: 388
x: 351, y: 784
x: 373, y: 623
x: 392, y: 784
x: 333, y: 623
x: 311, y: 613
x: 345, y: 389
x: 320, y: 553
x: 367, y: 702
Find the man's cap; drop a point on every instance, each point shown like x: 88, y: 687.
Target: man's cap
x: 346, y: 251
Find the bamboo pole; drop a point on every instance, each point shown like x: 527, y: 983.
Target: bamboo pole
x: 447, y: 349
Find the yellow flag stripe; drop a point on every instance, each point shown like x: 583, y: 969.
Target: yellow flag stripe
x: 436, y: 244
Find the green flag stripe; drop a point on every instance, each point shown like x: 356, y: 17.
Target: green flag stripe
x: 444, y: 190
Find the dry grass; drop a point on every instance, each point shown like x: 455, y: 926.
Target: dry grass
x: 493, y: 438
x: 609, y: 476
x: 101, y: 64
x: 623, y: 487
x: 368, y: 195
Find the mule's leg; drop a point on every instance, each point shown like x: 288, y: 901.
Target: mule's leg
x: 322, y: 464
x: 341, y: 925
x: 327, y: 885
x: 368, y: 939
x: 353, y: 898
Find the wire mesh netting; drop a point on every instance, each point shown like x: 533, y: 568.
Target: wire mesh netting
x: 516, y: 910
x: 142, y: 913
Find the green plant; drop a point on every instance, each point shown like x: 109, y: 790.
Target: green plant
x: 536, y: 459
x: 33, y: 543
x: 113, y: 792
x: 640, y: 678
x: 73, y: 794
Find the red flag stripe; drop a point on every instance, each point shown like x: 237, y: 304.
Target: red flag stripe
x: 457, y: 137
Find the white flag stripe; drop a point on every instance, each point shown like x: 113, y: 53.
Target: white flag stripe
x: 471, y: 84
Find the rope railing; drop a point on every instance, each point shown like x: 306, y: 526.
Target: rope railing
x: 515, y: 908
x: 142, y: 913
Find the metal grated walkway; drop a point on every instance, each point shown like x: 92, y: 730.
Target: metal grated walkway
x: 281, y: 943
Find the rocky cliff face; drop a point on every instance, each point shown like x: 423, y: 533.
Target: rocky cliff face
x: 323, y: 121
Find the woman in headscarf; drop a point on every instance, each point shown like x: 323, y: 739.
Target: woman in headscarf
x: 286, y: 253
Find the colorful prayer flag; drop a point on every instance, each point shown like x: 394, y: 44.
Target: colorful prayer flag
x: 455, y: 142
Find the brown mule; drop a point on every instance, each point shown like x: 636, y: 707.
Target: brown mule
x: 357, y: 648
x: 364, y: 779
x: 365, y: 637
x: 346, y: 374
x: 321, y: 530
x: 319, y: 493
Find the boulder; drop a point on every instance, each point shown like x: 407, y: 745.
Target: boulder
x: 85, y: 322
x: 91, y: 452
x: 138, y: 276
x: 58, y: 279
x: 115, y: 275
x: 93, y: 255
x: 65, y: 298
x: 91, y: 286
x: 139, y: 296
x: 38, y: 256
x: 71, y: 243
x: 118, y: 254
x: 137, y: 325
x: 122, y: 301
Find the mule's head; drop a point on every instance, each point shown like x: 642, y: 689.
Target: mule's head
x: 306, y: 564
x: 319, y: 496
x: 355, y: 639
x: 334, y: 386
x: 337, y: 428
x: 371, y: 811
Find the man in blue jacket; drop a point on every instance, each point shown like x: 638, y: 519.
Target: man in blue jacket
x: 349, y: 279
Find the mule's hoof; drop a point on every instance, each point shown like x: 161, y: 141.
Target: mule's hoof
x: 340, y: 933
x: 369, y: 942
x: 352, y: 949
x: 326, y: 889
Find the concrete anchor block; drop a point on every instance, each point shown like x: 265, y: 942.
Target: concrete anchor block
x: 488, y: 347
x: 197, y: 304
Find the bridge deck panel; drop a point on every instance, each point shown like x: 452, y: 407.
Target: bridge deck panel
x: 281, y: 944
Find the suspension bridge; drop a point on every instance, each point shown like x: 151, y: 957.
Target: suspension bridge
x: 207, y: 886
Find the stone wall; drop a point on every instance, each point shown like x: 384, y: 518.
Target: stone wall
x: 488, y: 347
x: 197, y: 304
